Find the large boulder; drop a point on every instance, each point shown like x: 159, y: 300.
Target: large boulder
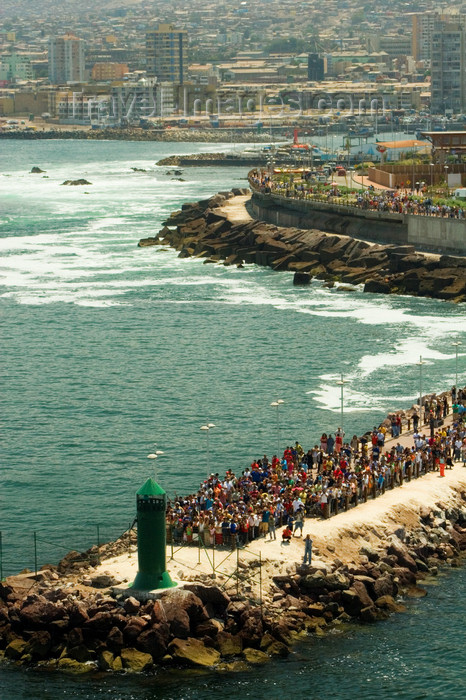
x: 72, y: 666
x: 115, y: 640
x: 384, y: 586
x: 41, y: 613
x: 209, y: 594
x: 182, y: 610
x: 255, y: 656
x: 193, y: 652
x: 134, y: 627
x: 102, y: 622
x: 313, y: 582
x: 252, y: 631
x: 154, y: 641
x: 81, y: 181
x: 38, y: 645
x: 336, y: 582
x: 136, y: 661
x: 229, y: 644
x: 387, y: 602
x: 377, y: 286
x: 301, y: 278
x: 401, y: 552
x: 15, y: 649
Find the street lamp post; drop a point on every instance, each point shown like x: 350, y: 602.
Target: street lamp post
x: 456, y: 345
x: 276, y: 404
x: 341, y: 383
x: 155, y: 455
x: 207, y: 428
x: 419, y: 364
x: 445, y: 167
x: 431, y: 175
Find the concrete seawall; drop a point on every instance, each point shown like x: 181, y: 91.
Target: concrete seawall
x: 425, y: 233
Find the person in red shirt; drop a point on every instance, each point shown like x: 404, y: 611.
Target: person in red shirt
x: 286, y: 534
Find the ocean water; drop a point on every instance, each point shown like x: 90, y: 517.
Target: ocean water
x: 110, y: 352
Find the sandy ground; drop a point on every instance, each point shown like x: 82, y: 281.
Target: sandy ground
x: 235, y: 210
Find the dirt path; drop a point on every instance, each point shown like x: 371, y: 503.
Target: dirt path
x: 235, y: 209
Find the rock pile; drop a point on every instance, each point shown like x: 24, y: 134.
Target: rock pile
x: 201, y: 230
x: 48, y: 621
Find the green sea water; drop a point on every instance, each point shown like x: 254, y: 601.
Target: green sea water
x: 108, y: 349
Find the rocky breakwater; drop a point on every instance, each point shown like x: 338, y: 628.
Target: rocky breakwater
x: 203, y: 229
x: 59, y: 621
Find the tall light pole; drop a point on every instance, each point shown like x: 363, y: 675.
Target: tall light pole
x: 419, y: 364
x: 431, y: 175
x: 155, y: 455
x: 456, y: 345
x: 341, y: 383
x: 277, y: 405
x: 207, y: 428
x: 445, y: 167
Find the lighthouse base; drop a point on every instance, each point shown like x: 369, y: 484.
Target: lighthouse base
x: 151, y: 582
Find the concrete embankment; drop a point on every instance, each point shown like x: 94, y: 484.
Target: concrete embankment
x: 205, y: 229
x: 428, y: 233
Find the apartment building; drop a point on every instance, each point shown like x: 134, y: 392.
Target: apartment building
x: 66, y: 59
x: 167, y: 54
x: 448, y: 69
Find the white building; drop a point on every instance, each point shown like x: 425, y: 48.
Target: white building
x: 66, y: 60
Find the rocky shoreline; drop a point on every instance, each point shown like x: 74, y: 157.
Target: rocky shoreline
x: 203, y: 229
x: 66, y: 619
x: 213, y: 159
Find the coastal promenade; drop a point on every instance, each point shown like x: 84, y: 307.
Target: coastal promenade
x: 375, y: 217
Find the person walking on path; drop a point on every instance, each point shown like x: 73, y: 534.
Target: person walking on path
x: 307, y: 549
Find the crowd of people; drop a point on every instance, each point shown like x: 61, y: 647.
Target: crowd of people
x: 333, y: 475
x: 397, y: 201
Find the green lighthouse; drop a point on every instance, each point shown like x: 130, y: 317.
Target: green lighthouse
x: 151, y: 503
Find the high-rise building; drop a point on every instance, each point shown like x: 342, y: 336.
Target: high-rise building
x: 448, y: 69
x: 315, y: 67
x: 167, y: 54
x: 424, y: 25
x: 66, y: 59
